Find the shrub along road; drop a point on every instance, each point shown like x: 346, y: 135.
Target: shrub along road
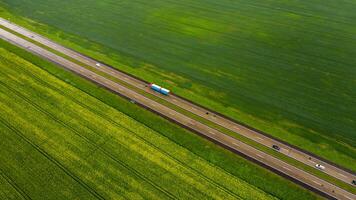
x: 206, y: 131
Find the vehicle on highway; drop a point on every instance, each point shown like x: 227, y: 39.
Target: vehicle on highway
x: 98, y: 64
x: 276, y: 147
x: 159, y: 89
x: 353, y: 182
x: 319, y: 166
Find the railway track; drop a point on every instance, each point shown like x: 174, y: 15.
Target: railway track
x: 312, y: 182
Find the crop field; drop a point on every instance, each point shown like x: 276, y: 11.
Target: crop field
x: 60, y: 141
x: 284, y: 67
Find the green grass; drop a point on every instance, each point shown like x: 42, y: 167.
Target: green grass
x: 282, y: 67
x: 86, y: 143
x: 298, y: 164
x: 8, y: 189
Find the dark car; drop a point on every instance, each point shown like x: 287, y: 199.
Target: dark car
x: 354, y: 182
x: 276, y: 147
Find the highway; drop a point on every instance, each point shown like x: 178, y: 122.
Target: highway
x: 230, y: 143
x: 286, y: 149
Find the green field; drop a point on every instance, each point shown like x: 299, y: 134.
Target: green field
x: 284, y: 67
x: 73, y: 140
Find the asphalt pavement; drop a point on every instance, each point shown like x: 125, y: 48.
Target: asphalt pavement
x: 291, y: 151
x: 214, y: 135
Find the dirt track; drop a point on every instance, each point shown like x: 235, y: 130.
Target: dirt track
x: 214, y: 135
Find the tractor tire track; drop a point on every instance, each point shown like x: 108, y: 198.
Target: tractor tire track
x: 15, y: 186
x: 135, y: 172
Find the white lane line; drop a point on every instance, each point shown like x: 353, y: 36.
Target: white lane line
x: 287, y: 168
x: 317, y: 182
x: 347, y: 197
x: 211, y: 132
x: 235, y: 144
x: 259, y: 155
x: 312, y: 161
x: 171, y: 113
x: 191, y: 123
x: 342, y: 175
x: 258, y: 138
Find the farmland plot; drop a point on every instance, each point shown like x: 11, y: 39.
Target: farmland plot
x: 284, y: 67
x: 58, y: 142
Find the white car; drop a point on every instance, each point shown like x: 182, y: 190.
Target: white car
x: 98, y: 64
x: 319, y: 166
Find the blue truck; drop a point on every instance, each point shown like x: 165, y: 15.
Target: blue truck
x: 159, y: 89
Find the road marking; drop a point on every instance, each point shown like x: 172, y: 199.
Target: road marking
x: 259, y: 155
x: 347, y: 197
x: 191, y: 123
x: 312, y: 162
x: 258, y: 138
x: 237, y: 128
x: 342, y: 175
x: 234, y: 143
x: 211, y: 132
x: 286, y: 168
x: 171, y: 113
x: 317, y: 182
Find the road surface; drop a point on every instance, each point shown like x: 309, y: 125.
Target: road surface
x: 281, y: 167
x: 286, y: 149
